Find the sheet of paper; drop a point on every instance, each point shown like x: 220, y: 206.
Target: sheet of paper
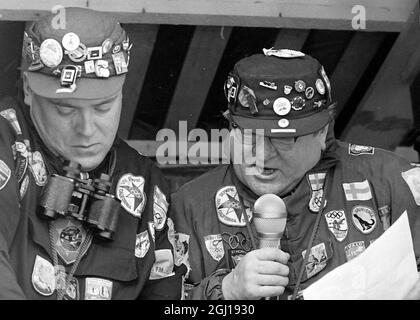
x: 385, y: 270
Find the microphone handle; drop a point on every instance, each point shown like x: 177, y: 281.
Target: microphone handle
x: 269, y: 243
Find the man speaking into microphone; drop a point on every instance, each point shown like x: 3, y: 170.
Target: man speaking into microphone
x: 332, y: 199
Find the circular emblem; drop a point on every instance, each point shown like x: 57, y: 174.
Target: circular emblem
x: 281, y: 106
x: 130, y: 192
x: 51, y: 53
x: 309, y: 92
x: 116, y: 49
x: 71, y: 238
x: 320, y: 87
x: 283, y: 123
x: 107, y: 45
x: 70, y: 41
x: 229, y: 209
x: 363, y: 218
x: 79, y: 54
x: 298, y: 103
x: 300, y: 86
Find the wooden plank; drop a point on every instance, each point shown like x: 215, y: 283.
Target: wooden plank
x: 143, y: 38
x: 291, y: 39
x: 352, y: 65
x: 200, y: 66
x: 301, y: 14
x: 384, y: 114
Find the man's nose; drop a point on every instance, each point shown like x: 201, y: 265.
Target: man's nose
x: 86, y: 125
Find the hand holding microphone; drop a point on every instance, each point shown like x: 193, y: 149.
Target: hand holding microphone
x: 262, y: 272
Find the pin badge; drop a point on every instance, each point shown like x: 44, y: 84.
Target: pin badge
x: 79, y: 54
x: 266, y: 102
x: 94, y: 53
x: 119, y: 63
x: 89, y: 66
x: 101, y: 69
x: 300, y: 86
x: 309, y: 92
x: 70, y: 41
x: 287, y: 89
x: 298, y: 103
x: 318, y: 104
x: 268, y: 84
x: 283, y: 123
x: 281, y: 106
x: 51, y: 53
x: 107, y: 45
x: 68, y: 79
x: 36, y: 65
x: 126, y: 43
x: 283, y: 53
x: 327, y: 81
x: 320, y: 87
x: 116, y: 49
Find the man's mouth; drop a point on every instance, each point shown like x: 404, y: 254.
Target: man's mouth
x: 265, y: 171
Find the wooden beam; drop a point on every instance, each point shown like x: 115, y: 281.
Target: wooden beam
x: 200, y: 66
x: 385, y: 115
x: 382, y: 15
x: 143, y: 38
x: 291, y: 39
x: 352, y: 65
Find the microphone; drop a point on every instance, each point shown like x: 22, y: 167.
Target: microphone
x: 270, y: 218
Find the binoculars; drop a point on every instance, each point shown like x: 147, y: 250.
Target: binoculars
x: 84, y: 199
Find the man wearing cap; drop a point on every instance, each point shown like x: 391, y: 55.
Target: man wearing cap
x: 339, y: 197
x: 59, y: 154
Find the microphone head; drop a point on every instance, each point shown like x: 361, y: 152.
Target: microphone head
x: 270, y: 216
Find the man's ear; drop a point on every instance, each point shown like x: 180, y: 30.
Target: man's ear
x: 27, y: 91
x: 323, y: 137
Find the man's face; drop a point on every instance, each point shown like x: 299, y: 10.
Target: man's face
x: 283, y: 161
x: 77, y: 129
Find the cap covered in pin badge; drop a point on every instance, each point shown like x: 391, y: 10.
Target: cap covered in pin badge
x: 285, y: 92
x: 87, y: 59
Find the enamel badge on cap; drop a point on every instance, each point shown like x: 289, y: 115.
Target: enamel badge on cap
x: 283, y: 53
x: 70, y: 41
x: 51, y: 53
x: 282, y: 106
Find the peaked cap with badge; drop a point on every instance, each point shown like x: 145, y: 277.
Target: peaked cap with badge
x: 285, y: 92
x: 87, y: 59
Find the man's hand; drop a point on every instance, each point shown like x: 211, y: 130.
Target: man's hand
x: 260, y: 273
x: 414, y: 293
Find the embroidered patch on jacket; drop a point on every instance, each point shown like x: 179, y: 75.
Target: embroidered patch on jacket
x: 316, y: 182
x: 98, y: 289
x: 354, y: 249
x: 163, y: 266
x: 412, y: 178
x: 20, y: 155
x: 130, y: 190
x: 5, y: 173
x: 357, y: 150
x: 363, y: 218
x: 317, y: 259
x: 72, y: 290
x: 43, y: 276
x: 160, y: 208
x: 142, y: 244
x: 229, y: 209
x: 38, y: 169
x: 357, y: 191
x: 10, y: 115
x: 337, y: 223
x: 214, y: 245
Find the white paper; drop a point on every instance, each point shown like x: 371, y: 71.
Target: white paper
x: 387, y: 269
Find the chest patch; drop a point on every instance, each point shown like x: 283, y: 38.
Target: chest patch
x: 229, y: 209
x: 43, y: 276
x: 214, y: 245
x: 363, y: 218
x: 357, y: 191
x: 354, y: 249
x: 337, y: 224
x: 317, y: 259
x: 142, y: 244
x: 316, y: 182
x: 98, y: 289
x: 38, y: 169
x: 130, y: 190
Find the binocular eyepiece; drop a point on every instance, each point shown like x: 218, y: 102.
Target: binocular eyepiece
x: 83, y: 199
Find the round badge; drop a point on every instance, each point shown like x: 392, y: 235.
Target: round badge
x: 79, y: 54
x: 281, y: 106
x: 107, y: 45
x: 320, y: 87
x: 70, y: 41
x: 266, y: 102
x: 300, y: 86
x: 283, y: 123
x: 51, y: 53
x: 116, y: 49
x: 298, y: 103
x: 309, y: 92
x: 287, y: 89
x: 363, y: 218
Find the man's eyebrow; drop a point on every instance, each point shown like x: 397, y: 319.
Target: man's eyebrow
x: 66, y: 104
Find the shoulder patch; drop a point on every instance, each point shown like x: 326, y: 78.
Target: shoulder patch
x: 130, y: 190
x: 163, y: 266
x: 412, y: 178
x: 4, y: 174
x: 357, y: 150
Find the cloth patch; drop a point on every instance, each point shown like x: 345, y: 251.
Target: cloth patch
x: 317, y: 259
x: 316, y: 182
x: 130, y: 190
x: 5, y: 173
x: 357, y: 150
x: 229, y: 209
x: 142, y: 244
x: 337, y: 223
x: 163, y: 266
x: 357, y: 191
x: 363, y: 218
x: 160, y: 208
x: 20, y: 155
x: 214, y: 245
x: 235, y: 255
x: 38, y: 169
x: 354, y: 249
x: 412, y: 178
x: 43, y: 276
x: 72, y: 290
x: 98, y: 289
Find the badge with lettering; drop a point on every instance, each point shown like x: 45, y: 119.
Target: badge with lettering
x: 229, y: 209
x: 235, y: 255
x: 160, y: 208
x: 5, y: 173
x: 337, y: 223
x: 214, y: 245
x: 354, y: 249
x: 98, y: 289
x: 357, y: 150
x: 130, y: 191
x: 43, y: 276
x: 316, y: 182
x: 317, y: 259
x: 412, y: 178
x: 163, y: 266
x: 38, y: 169
x: 363, y: 218
x: 142, y: 244
x: 10, y: 115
